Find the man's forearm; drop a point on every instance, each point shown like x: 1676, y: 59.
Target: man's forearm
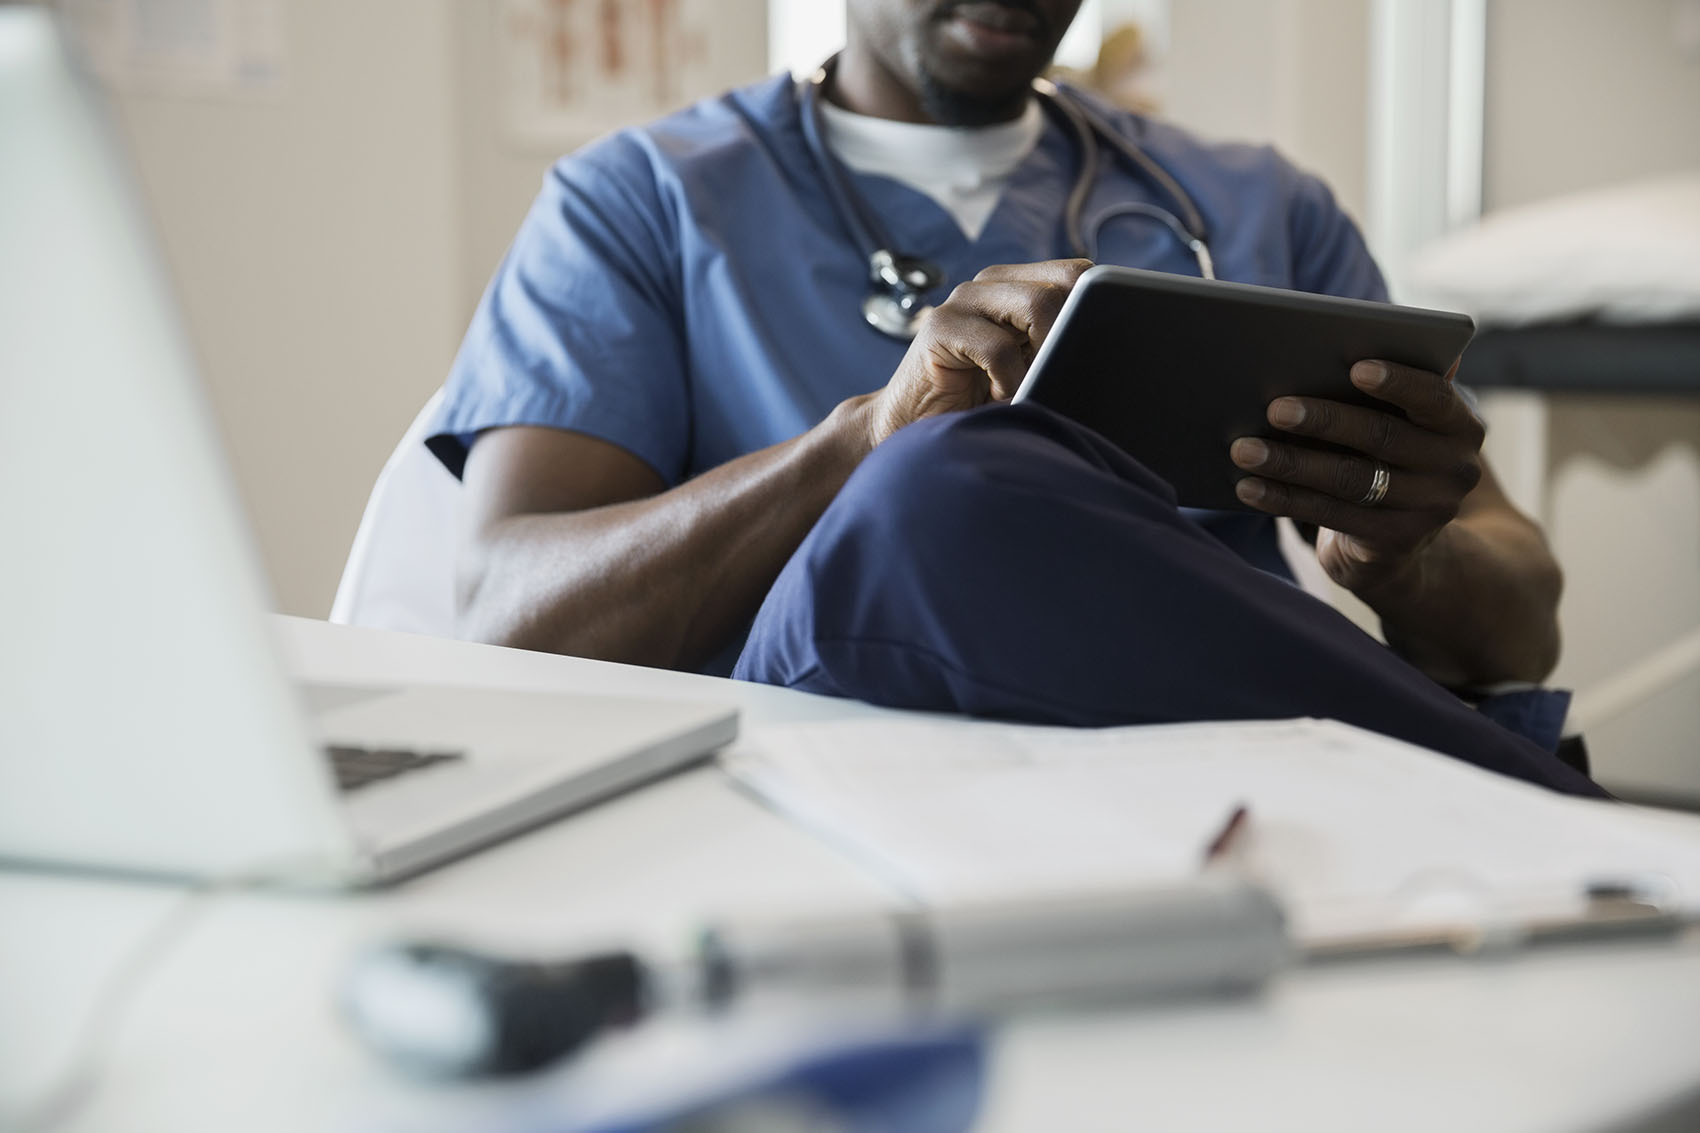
x: 1479, y: 606
x: 665, y: 580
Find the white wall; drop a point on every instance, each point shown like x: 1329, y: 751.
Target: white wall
x: 1290, y: 72
x: 497, y: 176
x: 1583, y: 93
x: 313, y: 236
x: 802, y: 33
x: 329, y: 240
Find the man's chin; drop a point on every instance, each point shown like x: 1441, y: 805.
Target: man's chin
x: 962, y: 87
x: 975, y: 100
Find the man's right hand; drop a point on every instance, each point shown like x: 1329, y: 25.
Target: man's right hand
x: 575, y: 545
x: 975, y: 347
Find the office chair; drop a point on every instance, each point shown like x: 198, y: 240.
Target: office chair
x: 401, y: 569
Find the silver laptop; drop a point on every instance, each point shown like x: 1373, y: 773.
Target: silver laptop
x: 145, y: 721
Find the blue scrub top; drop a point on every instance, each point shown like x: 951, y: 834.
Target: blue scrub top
x: 686, y: 290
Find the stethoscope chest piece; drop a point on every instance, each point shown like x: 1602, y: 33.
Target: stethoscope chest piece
x: 893, y: 304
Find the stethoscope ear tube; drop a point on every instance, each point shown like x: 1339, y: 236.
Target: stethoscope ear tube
x: 1187, y: 218
x: 1075, y: 207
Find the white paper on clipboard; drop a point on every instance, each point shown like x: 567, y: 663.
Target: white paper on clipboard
x: 1354, y: 831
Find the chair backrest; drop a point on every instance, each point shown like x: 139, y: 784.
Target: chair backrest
x: 401, y: 570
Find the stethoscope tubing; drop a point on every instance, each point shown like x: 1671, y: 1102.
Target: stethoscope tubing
x: 851, y: 208
x: 894, y: 307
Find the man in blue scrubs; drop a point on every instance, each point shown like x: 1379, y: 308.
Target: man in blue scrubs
x: 670, y: 384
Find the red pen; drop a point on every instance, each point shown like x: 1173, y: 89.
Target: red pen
x: 1223, y: 843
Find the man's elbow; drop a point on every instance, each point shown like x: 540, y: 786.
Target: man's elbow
x: 505, y: 595
x: 480, y: 614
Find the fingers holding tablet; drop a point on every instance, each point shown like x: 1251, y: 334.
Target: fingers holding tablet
x: 1174, y: 369
x: 1391, y: 479
x: 977, y: 345
x: 1428, y: 399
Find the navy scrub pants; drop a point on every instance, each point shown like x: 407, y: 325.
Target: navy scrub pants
x: 1009, y: 564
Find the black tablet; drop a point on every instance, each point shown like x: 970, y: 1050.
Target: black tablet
x: 1174, y: 369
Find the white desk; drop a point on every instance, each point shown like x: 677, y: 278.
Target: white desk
x: 236, y: 1030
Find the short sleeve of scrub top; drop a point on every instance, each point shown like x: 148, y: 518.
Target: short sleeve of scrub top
x: 1329, y: 254
x: 579, y: 328
x: 1331, y: 258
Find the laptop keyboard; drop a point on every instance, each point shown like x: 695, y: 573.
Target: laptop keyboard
x: 356, y: 767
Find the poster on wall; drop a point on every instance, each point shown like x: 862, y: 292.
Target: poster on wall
x: 577, y: 68
x: 184, y: 46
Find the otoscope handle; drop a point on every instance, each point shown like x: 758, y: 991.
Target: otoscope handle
x: 1216, y: 934
x: 446, y: 1011
x: 441, y: 1011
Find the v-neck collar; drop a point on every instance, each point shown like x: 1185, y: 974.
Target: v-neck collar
x: 1025, y: 226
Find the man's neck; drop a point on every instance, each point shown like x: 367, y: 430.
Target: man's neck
x: 862, y: 84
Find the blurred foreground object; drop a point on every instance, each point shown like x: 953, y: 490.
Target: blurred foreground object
x: 442, y: 1011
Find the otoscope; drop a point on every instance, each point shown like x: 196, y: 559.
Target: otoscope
x: 444, y: 1011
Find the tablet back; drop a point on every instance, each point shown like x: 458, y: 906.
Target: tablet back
x: 1173, y: 368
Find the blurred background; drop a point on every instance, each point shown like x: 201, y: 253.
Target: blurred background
x: 335, y: 181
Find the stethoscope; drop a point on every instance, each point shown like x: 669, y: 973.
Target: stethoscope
x: 897, y: 282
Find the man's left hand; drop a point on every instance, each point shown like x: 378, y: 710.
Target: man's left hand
x: 1431, y: 458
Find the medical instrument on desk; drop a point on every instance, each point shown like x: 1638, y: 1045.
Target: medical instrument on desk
x: 447, y: 1012
x: 443, y: 1011
x: 898, y: 283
